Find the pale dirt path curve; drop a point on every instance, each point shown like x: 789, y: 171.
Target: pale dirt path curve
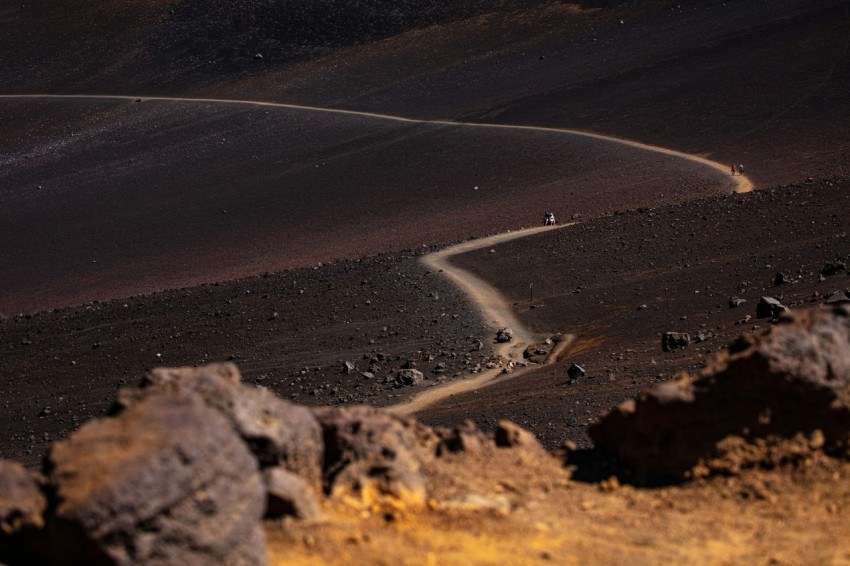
x: 743, y: 185
x: 495, y: 309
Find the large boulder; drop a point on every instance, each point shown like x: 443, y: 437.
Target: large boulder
x: 167, y: 481
x: 792, y: 380
x: 278, y: 432
x: 370, y: 453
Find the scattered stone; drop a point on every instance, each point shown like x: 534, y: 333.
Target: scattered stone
x: 368, y: 375
x: 702, y: 336
x: 833, y: 268
x: 674, y: 340
x: 441, y: 367
x: 781, y: 279
x: 504, y: 335
x: 289, y: 495
x: 477, y: 346
x: 465, y: 437
x: 735, y: 302
x: 406, y: 377
x: 576, y: 371
x: 510, y: 435
x: 794, y: 377
x: 167, y: 481
x: 348, y: 367
x: 258, y: 56
x: 838, y: 298
x: 768, y: 307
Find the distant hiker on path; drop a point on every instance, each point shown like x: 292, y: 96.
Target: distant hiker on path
x: 740, y: 169
x: 734, y: 169
x: 549, y: 219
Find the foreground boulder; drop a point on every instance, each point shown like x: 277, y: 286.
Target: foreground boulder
x: 167, y: 481
x: 278, y: 432
x: 792, y: 380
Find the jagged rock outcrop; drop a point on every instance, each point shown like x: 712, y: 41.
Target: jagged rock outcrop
x: 794, y: 379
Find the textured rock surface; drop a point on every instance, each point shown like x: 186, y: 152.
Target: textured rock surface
x: 794, y: 379
x: 289, y: 495
x: 167, y: 481
x: 278, y: 432
x: 368, y: 452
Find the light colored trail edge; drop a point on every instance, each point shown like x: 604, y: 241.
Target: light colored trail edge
x: 495, y: 309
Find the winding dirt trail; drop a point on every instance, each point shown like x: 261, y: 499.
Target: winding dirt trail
x: 496, y: 312
x: 743, y: 184
x: 495, y: 309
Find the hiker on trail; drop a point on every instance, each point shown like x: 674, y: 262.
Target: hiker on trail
x: 734, y: 169
x: 549, y: 219
x: 740, y: 169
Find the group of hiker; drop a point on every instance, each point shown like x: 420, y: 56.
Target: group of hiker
x: 737, y: 169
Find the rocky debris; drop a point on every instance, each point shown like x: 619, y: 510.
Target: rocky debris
x: 258, y: 56
x: 575, y: 372
x: 838, y: 298
x: 278, y: 432
x: 22, y: 504
x: 504, y: 335
x: 702, y: 336
x: 735, y: 302
x: 348, y: 367
x: 538, y: 353
x: 674, y: 340
x: 781, y: 279
x: 440, y: 368
x: 369, y: 453
x: 406, y: 377
x: 289, y: 495
x: 511, y: 435
x: 465, y: 437
x: 833, y: 268
x: 167, y: 481
x: 793, y: 379
x: 477, y: 346
x: 768, y: 307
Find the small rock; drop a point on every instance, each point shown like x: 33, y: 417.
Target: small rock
x: 576, y: 371
x: 348, y: 367
x: 735, y: 302
x: 258, y: 56
x: 510, y: 435
x: 833, y: 268
x: 768, y: 307
x: 409, y: 377
x: 504, y: 335
x: 674, y: 340
x: 781, y: 279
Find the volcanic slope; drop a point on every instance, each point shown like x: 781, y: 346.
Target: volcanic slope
x: 761, y: 83
x: 118, y: 197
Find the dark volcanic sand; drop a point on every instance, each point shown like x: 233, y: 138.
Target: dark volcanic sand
x: 289, y: 331
x: 105, y: 199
